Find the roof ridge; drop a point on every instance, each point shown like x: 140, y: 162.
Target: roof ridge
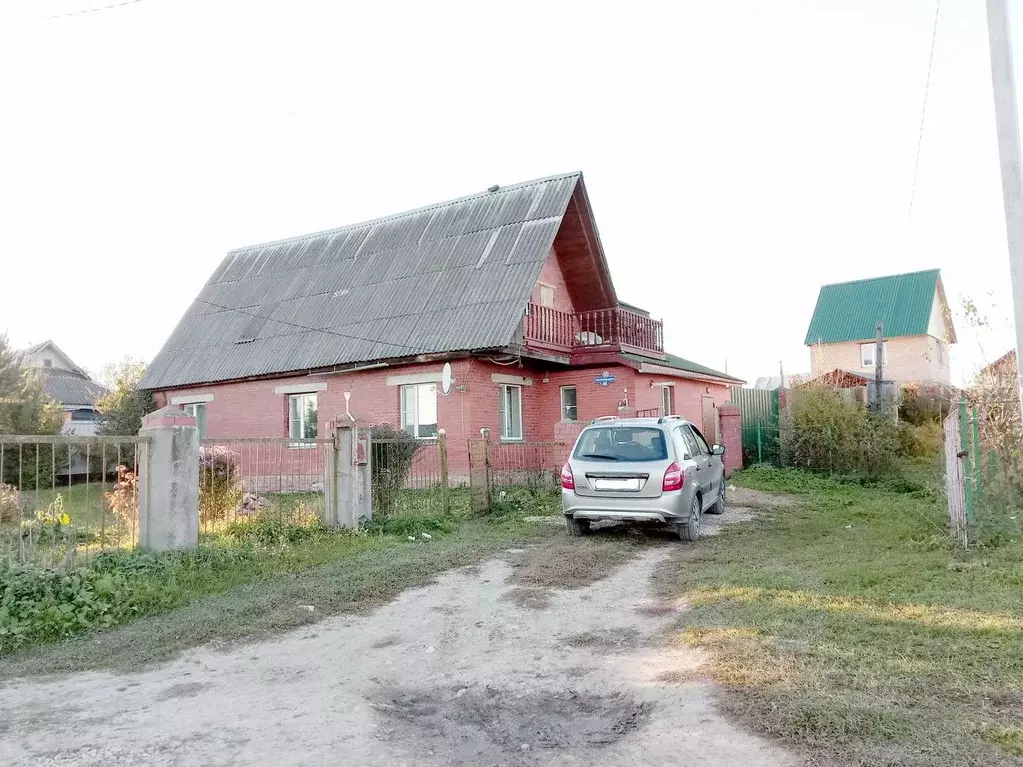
x: 882, y: 277
x: 402, y: 214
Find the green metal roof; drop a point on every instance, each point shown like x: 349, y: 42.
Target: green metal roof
x: 849, y: 311
x: 673, y: 361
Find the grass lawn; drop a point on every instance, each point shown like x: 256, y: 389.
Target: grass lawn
x: 847, y: 625
x: 224, y: 593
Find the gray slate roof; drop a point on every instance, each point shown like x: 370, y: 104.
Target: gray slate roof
x: 70, y: 390
x: 454, y: 276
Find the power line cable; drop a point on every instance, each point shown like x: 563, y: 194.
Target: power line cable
x: 308, y: 327
x: 91, y: 10
x: 923, y: 111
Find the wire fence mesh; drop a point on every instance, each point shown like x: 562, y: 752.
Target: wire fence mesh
x: 66, y: 498
x: 409, y: 478
x: 280, y: 479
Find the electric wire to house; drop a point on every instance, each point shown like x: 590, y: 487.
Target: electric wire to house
x: 347, y: 336
x: 923, y: 111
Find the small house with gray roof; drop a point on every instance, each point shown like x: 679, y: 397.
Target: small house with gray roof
x: 509, y: 286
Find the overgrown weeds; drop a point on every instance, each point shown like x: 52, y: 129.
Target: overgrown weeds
x: 849, y: 624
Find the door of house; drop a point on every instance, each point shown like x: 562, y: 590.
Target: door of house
x: 710, y: 419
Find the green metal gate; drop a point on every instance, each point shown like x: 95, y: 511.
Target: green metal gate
x: 761, y: 437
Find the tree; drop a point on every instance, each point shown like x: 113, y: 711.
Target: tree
x: 24, y: 406
x: 123, y: 407
x: 25, y: 409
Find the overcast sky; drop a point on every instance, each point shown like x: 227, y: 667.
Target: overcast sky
x: 737, y: 155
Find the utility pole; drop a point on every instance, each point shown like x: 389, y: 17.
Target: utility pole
x: 1010, y: 157
x: 781, y: 372
x: 878, y: 366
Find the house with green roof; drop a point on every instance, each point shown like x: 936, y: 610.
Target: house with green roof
x: 918, y: 330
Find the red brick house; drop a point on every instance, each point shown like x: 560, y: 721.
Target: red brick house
x: 510, y: 287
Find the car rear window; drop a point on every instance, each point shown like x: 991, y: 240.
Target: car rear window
x: 621, y: 443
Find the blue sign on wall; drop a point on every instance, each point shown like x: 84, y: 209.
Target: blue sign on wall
x: 604, y: 379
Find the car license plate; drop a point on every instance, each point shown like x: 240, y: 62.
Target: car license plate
x: 631, y: 483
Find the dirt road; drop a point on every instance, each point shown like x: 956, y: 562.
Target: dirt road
x: 454, y: 673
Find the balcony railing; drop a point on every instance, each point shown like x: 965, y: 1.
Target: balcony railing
x: 547, y: 328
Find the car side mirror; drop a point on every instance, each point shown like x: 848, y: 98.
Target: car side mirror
x: 717, y: 450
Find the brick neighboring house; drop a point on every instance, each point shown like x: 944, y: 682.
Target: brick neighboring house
x: 918, y: 328
x: 511, y: 287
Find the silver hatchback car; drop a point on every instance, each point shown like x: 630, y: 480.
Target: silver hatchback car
x: 642, y: 470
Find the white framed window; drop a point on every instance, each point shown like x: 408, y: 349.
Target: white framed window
x: 941, y: 352
x: 867, y: 353
x: 510, y: 411
x: 665, y: 400
x: 302, y: 416
x: 419, y: 410
x: 198, y: 411
x: 546, y: 295
x: 569, y: 404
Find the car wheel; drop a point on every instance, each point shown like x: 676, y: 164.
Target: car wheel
x: 690, y: 530
x: 577, y: 527
x: 719, y: 504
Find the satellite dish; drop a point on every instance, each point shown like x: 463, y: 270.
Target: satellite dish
x: 445, y: 378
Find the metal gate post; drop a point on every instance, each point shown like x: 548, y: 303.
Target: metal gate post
x: 964, y: 439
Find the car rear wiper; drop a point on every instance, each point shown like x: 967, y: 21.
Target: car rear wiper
x: 600, y: 455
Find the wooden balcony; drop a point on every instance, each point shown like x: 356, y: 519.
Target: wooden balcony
x: 615, y: 329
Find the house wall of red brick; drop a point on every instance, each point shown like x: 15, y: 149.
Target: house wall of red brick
x: 552, y: 275
x: 686, y: 396
x: 253, y: 409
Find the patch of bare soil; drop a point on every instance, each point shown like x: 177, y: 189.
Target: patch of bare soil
x: 607, y: 640
x: 481, y: 682
x: 486, y: 719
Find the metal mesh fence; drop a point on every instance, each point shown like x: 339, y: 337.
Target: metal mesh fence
x: 261, y: 478
x: 409, y: 478
x: 65, y: 498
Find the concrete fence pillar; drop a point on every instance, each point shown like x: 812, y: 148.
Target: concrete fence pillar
x: 349, y: 494
x: 731, y: 436
x: 169, y: 482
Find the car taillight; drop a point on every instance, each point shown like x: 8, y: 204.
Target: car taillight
x: 673, y: 478
x: 567, y: 478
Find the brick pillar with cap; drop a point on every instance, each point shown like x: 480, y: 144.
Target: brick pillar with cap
x: 731, y: 436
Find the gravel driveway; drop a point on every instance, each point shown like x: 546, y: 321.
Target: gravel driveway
x: 454, y: 673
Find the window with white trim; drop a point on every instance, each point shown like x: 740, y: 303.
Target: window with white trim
x: 419, y: 410
x: 198, y: 411
x: 665, y: 400
x: 510, y: 411
x: 546, y: 295
x: 302, y: 416
x: 569, y: 404
x: 867, y: 353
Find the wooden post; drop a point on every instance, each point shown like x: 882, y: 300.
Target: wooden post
x: 486, y: 468
x: 878, y: 366
x: 442, y: 446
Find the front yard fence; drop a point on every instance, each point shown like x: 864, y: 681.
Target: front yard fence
x: 66, y: 498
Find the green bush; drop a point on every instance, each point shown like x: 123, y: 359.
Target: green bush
x: 829, y: 434
x: 219, y: 496
x: 38, y: 604
x: 919, y: 441
x: 923, y: 406
x: 393, y: 454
